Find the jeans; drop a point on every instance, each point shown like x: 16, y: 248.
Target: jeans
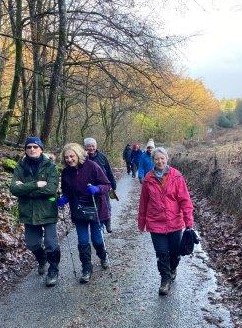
x: 35, y: 235
x: 168, y: 244
x: 82, y: 229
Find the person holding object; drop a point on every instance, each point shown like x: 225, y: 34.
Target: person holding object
x: 95, y: 155
x: 81, y: 180
x: 35, y: 183
x: 165, y: 209
x: 146, y: 163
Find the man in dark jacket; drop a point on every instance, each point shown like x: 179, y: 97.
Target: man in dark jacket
x: 95, y: 155
x: 35, y: 182
x: 127, y: 157
x: 136, y: 154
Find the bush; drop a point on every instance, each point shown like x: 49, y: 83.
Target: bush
x: 9, y: 164
x: 225, y: 121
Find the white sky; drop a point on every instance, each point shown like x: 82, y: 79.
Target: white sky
x: 214, y: 55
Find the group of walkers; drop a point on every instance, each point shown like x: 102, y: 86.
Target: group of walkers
x: 165, y: 207
x: 138, y: 161
x: 86, y: 181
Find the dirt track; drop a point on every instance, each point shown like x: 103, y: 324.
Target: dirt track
x: 127, y: 299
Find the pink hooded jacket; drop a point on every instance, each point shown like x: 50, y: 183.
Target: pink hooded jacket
x: 165, y: 206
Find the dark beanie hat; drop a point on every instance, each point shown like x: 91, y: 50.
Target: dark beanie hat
x: 34, y: 140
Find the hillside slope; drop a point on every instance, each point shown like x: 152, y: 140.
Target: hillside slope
x: 213, y: 170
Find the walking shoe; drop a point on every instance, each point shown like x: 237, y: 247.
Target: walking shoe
x: 41, y: 268
x: 85, y: 278
x: 108, y: 226
x: 164, y: 287
x: 173, y: 274
x: 104, y: 263
x: 51, y: 279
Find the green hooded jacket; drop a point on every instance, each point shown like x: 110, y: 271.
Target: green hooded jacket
x: 36, y: 205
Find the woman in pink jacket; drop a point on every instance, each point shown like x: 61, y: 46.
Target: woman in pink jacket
x: 165, y: 209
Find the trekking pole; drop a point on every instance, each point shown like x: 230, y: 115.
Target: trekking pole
x: 98, y: 220
x: 68, y: 243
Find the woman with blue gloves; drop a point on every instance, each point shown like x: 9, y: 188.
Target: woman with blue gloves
x: 83, y: 183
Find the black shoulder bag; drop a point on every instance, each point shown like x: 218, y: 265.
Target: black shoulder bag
x: 85, y: 213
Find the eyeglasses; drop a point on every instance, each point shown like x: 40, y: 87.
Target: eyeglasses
x: 29, y: 147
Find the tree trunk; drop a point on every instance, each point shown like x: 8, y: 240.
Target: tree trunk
x: 17, y: 33
x: 26, y: 111
x: 56, y: 75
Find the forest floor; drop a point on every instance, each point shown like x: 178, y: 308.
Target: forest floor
x: 221, y: 232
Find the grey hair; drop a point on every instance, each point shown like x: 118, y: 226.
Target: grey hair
x: 90, y: 141
x: 78, y: 149
x: 159, y: 150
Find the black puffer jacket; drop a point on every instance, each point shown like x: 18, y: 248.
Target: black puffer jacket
x: 102, y: 161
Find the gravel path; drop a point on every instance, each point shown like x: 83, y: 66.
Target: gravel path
x: 129, y: 297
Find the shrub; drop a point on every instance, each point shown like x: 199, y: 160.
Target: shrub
x: 9, y: 164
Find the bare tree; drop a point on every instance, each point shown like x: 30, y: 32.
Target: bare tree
x: 72, y: 46
x: 15, y: 19
x: 56, y: 74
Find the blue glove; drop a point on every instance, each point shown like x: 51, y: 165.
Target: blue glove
x: 92, y: 190
x: 62, y: 200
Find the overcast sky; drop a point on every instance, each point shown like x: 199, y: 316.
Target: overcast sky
x: 214, y: 55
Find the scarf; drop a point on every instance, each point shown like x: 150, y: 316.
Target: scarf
x: 159, y: 174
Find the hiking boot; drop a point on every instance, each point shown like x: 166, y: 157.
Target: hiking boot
x: 173, y: 274
x: 86, y: 276
x: 104, y: 263
x: 51, y: 279
x: 108, y: 226
x: 42, y: 268
x: 41, y: 258
x: 164, y: 287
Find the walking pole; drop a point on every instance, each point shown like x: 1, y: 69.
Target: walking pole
x: 68, y: 243
x: 98, y: 220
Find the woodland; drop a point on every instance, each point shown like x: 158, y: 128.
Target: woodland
x: 71, y: 69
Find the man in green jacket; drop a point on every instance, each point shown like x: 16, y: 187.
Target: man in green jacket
x: 35, y: 183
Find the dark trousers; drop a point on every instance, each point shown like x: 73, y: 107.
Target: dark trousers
x: 37, y: 235
x: 128, y: 166
x: 134, y: 169
x: 168, y: 245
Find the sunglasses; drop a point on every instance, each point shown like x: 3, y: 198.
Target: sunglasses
x: 29, y: 147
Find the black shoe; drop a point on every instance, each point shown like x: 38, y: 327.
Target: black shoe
x: 108, y: 226
x: 42, y: 268
x: 104, y: 263
x: 51, y: 279
x: 86, y: 276
x: 164, y: 287
x: 173, y: 274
